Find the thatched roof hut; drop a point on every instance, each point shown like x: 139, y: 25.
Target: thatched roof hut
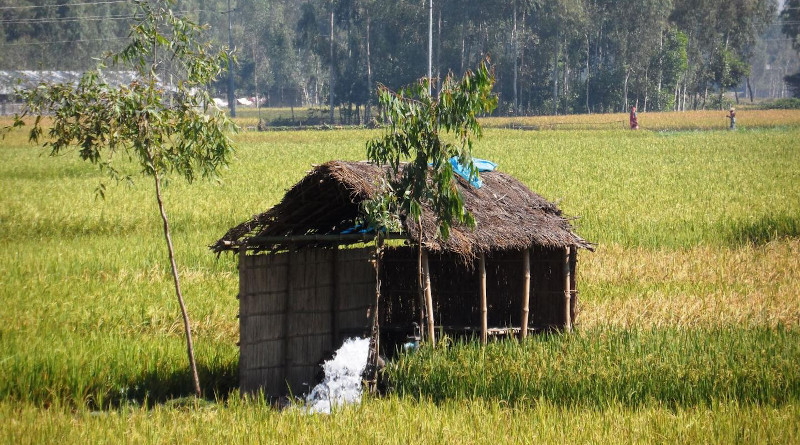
x: 508, y: 215
x: 300, y: 294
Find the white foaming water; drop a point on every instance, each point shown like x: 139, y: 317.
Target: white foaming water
x: 342, y: 383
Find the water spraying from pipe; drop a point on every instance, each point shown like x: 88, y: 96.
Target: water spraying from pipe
x: 342, y: 383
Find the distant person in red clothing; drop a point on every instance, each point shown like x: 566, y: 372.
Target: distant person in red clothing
x: 634, y: 119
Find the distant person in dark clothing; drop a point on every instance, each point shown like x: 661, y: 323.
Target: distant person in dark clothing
x: 732, y: 116
x: 634, y: 119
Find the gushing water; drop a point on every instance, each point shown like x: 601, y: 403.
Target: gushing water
x: 342, y: 382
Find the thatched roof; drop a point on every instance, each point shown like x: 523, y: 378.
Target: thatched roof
x: 327, y: 201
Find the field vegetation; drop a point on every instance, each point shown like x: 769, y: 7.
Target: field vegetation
x: 687, y: 332
x: 781, y: 113
x: 664, y: 121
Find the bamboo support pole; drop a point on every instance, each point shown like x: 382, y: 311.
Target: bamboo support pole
x: 526, y: 292
x: 484, y: 308
x: 428, y: 298
x: 421, y: 283
x: 257, y: 241
x: 334, y: 298
x: 287, y: 314
x: 567, y: 293
x: 371, y: 371
x: 240, y: 296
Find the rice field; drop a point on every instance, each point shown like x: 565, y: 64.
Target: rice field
x: 696, y: 120
x: 688, y: 326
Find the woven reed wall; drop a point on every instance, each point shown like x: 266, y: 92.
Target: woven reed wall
x: 295, y: 309
x: 456, y: 289
x: 547, y: 288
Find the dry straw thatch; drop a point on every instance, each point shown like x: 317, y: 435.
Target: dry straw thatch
x: 508, y: 215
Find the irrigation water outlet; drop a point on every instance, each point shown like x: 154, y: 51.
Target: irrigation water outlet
x: 342, y: 383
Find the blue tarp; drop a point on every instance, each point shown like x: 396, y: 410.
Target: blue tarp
x: 481, y: 164
x: 359, y: 229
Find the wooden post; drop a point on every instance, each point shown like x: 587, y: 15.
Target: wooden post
x: 567, y: 293
x: 484, y: 308
x: 428, y: 298
x: 287, y: 313
x: 371, y: 370
x: 526, y: 292
x: 573, y: 283
x: 334, y: 299
x: 244, y: 280
x: 421, y: 282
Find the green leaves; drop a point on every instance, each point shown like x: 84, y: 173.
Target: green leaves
x: 167, y: 129
x: 426, y: 132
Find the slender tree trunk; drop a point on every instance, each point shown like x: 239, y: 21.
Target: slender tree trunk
x: 255, y: 82
x: 646, y: 90
x: 231, y: 90
x: 171, y: 253
x: 422, y: 302
x: 430, y: 46
x: 429, y: 299
x: 588, y: 54
x: 439, y: 45
x: 176, y: 279
x: 555, y: 76
x: 463, y: 48
x: 705, y: 97
x: 371, y: 370
x: 685, y: 82
x: 522, y: 64
x: 660, y: 70
x: 625, y: 90
x: 565, y: 74
x: 515, y: 47
x: 368, y: 108
x: 331, y: 69
x: 600, y: 48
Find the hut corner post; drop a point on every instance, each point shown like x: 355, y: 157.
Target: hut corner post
x: 526, y: 292
x: 371, y: 370
x: 484, y: 307
x: 335, y: 335
x: 428, y: 298
x: 421, y: 283
x: 567, y: 293
x: 240, y: 296
x: 287, y: 313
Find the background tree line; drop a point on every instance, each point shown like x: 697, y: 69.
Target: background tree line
x: 550, y: 56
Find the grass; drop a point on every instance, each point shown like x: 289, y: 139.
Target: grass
x: 396, y: 421
x: 663, y: 121
x: 703, y: 286
x: 661, y: 190
x: 687, y: 330
x: 666, y: 367
x: 779, y: 115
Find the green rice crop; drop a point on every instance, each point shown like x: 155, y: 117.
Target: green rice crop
x: 666, y: 366
x: 662, y: 190
x: 401, y: 421
x: 687, y: 330
x: 660, y: 121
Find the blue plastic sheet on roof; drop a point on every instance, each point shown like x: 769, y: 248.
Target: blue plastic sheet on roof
x: 358, y: 228
x: 481, y: 164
